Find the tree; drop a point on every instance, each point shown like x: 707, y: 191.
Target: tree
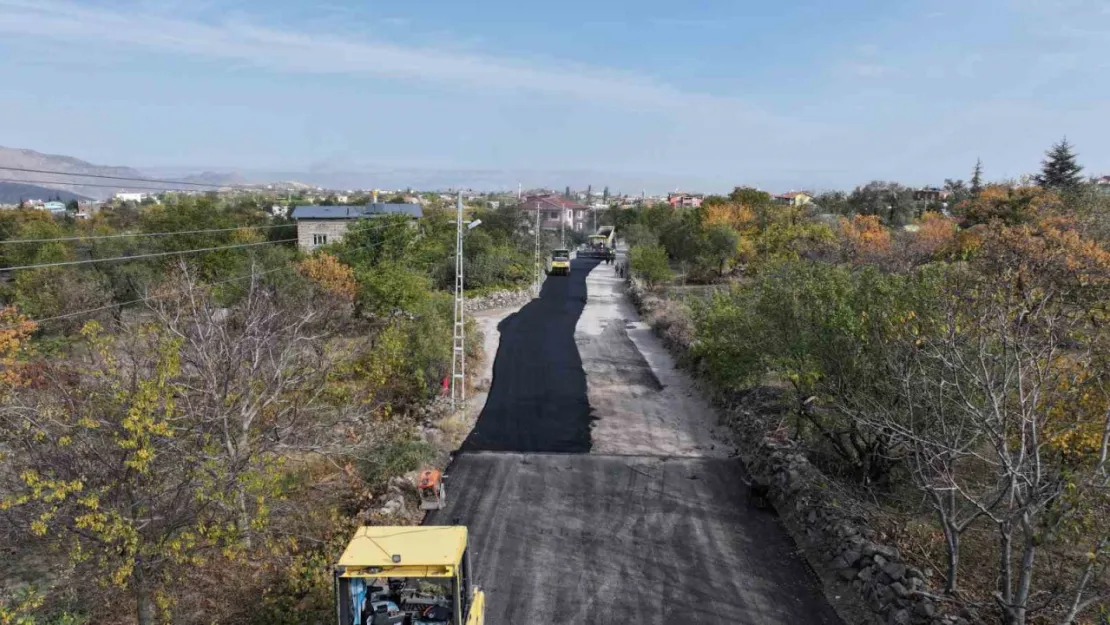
x: 566, y: 194
x: 833, y: 202
x: 330, y: 275
x: 73, y: 206
x: 1009, y: 205
x: 936, y: 235
x: 722, y: 246
x: 1059, y: 171
x: 957, y: 190
x: 977, y: 178
x: 864, y: 238
x: 650, y: 263
x: 890, y: 201
x: 605, y: 194
x: 589, y: 192
x: 146, y: 454
x: 750, y: 197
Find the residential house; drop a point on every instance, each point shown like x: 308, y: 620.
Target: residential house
x: 793, y: 198
x: 558, y: 212
x: 130, y: 197
x: 323, y: 225
x: 56, y: 208
x: 930, y: 194
x: 1102, y: 184
x: 684, y: 200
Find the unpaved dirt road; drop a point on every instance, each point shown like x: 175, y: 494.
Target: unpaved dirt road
x: 596, y: 489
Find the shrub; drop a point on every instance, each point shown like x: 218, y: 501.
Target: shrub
x: 650, y: 263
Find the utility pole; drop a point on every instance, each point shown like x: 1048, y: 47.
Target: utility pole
x: 563, y: 227
x: 539, y: 261
x: 458, y: 342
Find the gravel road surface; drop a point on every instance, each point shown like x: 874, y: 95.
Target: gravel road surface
x: 595, y: 487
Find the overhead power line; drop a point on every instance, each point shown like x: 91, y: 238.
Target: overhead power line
x: 143, y: 234
x: 148, y: 298
x: 140, y: 256
x: 107, y: 177
x: 153, y: 297
x: 170, y: 233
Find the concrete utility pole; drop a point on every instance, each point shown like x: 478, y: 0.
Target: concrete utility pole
x: 563, y: 228
x: 458, y: 343
x: 539, y: 261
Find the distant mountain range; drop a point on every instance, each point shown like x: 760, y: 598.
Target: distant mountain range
x: 339, y: 178
x: 88, y: 187
x: 15, y: 192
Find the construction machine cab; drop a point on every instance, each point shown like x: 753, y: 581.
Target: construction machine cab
x: 408, y: 576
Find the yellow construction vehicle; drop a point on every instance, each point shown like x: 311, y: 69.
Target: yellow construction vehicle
x: 560, y: 263
x: 408, y: 576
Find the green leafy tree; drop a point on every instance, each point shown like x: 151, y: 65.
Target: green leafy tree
x: 721, y: 245
x: 650, y: 263
x: 833, y: 202
x: 890, y: 201
x: 1059, y: 170
x: 750, y: 197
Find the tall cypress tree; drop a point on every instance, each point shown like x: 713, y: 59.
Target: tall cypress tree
x: 977, y: 178
x: 1059, y: 170
x: 566, y: 194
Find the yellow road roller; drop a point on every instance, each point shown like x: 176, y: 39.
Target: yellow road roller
x: 397, y: 575
x: 560, y: 263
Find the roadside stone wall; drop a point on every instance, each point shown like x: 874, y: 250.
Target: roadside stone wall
x: 837, y: 540
x: 500, y: 299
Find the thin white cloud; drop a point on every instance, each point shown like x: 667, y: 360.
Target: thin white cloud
x: 241, y: 40
x: 868, y: 70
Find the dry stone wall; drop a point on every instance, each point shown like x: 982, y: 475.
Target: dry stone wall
x: 500, y: 299
x: 837, y: 540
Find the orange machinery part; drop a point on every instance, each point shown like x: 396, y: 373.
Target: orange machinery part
x: 430, y: 478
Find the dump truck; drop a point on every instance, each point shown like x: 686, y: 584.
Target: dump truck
x: 560, y: 263
x: 602, y: 242
x: 408, y: 576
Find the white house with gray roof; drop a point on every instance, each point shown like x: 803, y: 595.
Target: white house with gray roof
x: 324, y: 225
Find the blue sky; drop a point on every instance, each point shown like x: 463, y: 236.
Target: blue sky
x: 794, y: 93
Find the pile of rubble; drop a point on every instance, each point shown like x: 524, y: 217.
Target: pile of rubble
x: 500, y: 299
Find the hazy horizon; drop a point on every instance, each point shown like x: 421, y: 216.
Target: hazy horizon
x: 800, y: 94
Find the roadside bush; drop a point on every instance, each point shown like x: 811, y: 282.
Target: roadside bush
x: 650, y: 263
x: 394, y: 457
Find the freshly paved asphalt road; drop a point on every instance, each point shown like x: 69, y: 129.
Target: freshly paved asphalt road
x: 574, y: 537
x: 538, y: 398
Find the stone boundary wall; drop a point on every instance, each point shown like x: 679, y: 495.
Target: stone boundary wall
x: 500, y: 299
x: 837, y: 540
